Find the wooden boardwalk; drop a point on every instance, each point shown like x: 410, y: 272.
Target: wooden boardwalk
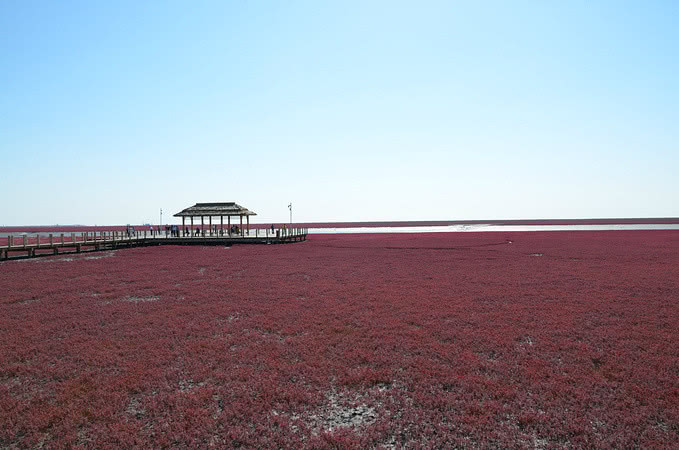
x: 30, y: 246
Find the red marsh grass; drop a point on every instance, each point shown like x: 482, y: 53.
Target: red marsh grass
x: 549, y: 339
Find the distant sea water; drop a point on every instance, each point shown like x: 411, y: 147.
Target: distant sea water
x: 486, y: 228
x: 460, y: 228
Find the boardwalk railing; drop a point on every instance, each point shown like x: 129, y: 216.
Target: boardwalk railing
x: 52, y: 244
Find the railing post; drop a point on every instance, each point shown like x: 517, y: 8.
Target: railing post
x: 10, y: 238
x: 62, y: 238
x: 24, y: 240
x: 51, y: 240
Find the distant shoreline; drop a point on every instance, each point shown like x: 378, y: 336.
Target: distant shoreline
x: 374, y: 224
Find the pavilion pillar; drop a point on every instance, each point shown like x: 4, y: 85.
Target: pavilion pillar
x: 229, y: 225
x: 191, y: 232
x: 248, y: 219
x: 210, y: 225
x: 202, y: 225
x: 221, y: 224
x: 241, y: 224
x: 183, y: 226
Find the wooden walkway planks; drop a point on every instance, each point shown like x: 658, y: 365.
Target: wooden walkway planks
x: 34, y: 246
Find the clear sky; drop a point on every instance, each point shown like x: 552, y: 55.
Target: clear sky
x: 361, y: 110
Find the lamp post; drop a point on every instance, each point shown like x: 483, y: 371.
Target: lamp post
x: 161, y: 218
x: 290, y: 208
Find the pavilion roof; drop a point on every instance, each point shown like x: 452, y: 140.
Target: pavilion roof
x: 215, y: 209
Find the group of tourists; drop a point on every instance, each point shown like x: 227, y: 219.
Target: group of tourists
x: 175, y: 230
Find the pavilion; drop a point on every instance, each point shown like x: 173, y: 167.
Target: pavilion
x: 211, y: 210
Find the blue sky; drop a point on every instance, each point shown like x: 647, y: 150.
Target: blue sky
x: 110, y: 111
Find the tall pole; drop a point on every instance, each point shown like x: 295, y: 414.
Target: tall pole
x: 161, y: 217
x: 290, y: 208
